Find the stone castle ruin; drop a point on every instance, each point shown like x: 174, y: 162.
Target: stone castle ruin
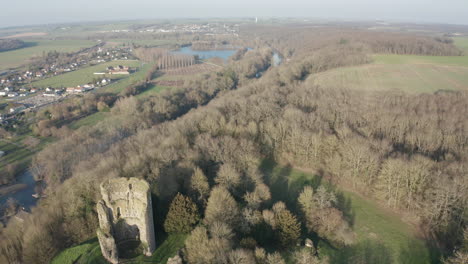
x: 125, y: 217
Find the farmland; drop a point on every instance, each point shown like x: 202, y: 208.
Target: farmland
x: 16, y: 58
x: 413, y: 74
x: 82, y: 76
x: 462, y: 43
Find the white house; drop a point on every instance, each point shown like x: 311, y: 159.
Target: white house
x: 17, y: 109
x: 12, y: 94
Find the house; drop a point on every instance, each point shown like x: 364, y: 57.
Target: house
x: 23, y: 94
x: 70, y: 89
x: 33, y: 90
x: 79, y: 89
x: 105, y: 81
x: 38, y: 74
x: 8, y: 89
x: 49, y: 89
x: 3, y: 93
x: 118, y: 70
x: 50, y: 94
x: 16, y: 109
x: 13, y: 94
x: 23, y: 89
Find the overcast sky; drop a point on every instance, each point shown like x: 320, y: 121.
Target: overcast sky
x: 28, y: 12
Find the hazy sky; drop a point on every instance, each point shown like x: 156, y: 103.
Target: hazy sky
x: 27, y: 12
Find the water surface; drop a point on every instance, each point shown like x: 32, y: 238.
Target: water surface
x: 24, y: 196
x: 207, y: 54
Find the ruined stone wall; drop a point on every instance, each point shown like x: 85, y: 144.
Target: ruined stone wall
x: 125, y: 213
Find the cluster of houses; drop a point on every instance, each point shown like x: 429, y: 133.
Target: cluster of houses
x: 10, y: 92
x: 111, y: 54
x: 47, y: 71
x: 99, y: 55
x: 118, y: 70
x: 207, y: 28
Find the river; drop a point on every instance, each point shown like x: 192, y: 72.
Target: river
x: 23, y: 196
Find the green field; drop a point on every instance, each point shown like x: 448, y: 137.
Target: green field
x: 462, y: 43
x: 90, y: 253
x: 84, y: 75
x: 412, y: 74
x: 117, y: 87
x: 382, y: 237
x: 415, y: 59
x: 152, y: 90
x: 89, y: 120
x: 16, y: 58
x: 17, y: 152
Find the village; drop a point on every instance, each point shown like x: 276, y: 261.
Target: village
x: 24, y: 99
x: 206, y: 28
x: 52, y: 65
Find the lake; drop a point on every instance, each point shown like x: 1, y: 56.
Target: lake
x: 207, y: 54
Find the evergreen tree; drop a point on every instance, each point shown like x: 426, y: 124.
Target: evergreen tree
x: 182, y: 216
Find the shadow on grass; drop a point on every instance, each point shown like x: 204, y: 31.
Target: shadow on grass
x: 415, y: 252
x: 365, y: 252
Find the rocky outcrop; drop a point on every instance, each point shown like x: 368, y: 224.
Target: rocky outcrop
x: 125, y: 214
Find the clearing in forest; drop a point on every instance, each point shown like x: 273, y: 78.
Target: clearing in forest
x: 382, y: 237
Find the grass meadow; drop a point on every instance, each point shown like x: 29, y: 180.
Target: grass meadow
x: 382, y: 237
x: 90, y: 253
x: 84, y: 75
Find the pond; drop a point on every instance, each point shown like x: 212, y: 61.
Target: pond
x: 207, y: 54
x: 23, y: 196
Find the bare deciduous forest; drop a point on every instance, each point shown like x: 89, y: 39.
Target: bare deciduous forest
x: 208, y: 140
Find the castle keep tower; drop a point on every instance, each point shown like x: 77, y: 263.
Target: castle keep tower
x: 125, y: 216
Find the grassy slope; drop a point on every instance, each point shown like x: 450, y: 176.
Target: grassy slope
x: 381, y: 236
x: 15, y: 58
x: 84, y: 75
x: 90, y: 253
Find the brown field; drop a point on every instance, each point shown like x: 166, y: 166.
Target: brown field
x: 27, y: 34
x: 191, y: 70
